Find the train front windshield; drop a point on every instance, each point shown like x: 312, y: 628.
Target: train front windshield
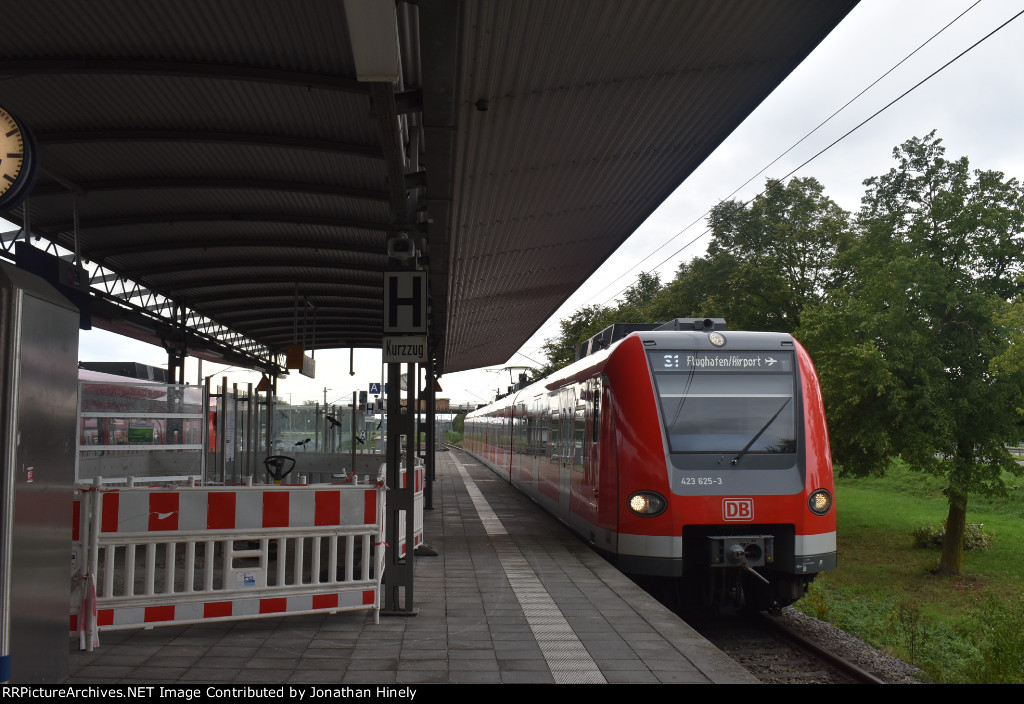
x: 726, y: 402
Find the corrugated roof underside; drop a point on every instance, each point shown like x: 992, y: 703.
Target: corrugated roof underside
x: 219, y: 154
x: 595, y: 113
x: 302, y: 36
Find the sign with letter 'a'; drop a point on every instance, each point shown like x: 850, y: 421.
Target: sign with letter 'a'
x: 405, y: 302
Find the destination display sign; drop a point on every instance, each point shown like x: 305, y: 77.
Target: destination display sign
x: 744, y: 360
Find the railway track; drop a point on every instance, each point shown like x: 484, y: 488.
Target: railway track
x: 776, y: 654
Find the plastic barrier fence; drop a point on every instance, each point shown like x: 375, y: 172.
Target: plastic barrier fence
x: 417, y: 522
x: 154, y: 556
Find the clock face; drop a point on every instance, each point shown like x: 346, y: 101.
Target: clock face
x: 15, y: 160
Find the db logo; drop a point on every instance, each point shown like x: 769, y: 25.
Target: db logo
x: 737, y: 509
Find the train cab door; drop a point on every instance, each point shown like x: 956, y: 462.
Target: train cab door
x: 547, y: 471
x: 586, y: 475
x: 569, y: 451
x: 534, y: 446
x: 503, y: 451
x: 521, y: 432
x: 606, y: 474
x: 592, y: 449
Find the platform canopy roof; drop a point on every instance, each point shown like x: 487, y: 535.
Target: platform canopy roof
x: 235, y: 168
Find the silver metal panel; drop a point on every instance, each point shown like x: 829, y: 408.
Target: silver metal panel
x: 815, y: 544
x: 40, y: 353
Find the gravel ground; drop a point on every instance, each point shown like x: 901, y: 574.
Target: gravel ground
x: 885, y: 667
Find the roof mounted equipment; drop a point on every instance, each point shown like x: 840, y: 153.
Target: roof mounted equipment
x: 704, y: 324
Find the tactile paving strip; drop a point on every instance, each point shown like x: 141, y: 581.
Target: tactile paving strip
x: 566, y: 656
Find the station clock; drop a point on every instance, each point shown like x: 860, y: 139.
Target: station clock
x: 18, y: 161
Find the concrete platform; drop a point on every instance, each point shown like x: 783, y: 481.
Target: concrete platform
x: 512, y: 597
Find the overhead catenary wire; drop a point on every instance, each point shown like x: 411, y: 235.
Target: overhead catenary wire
x: 793, y: 146
x: 823, y: 150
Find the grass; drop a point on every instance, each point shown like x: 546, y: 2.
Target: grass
x: 963, y: 629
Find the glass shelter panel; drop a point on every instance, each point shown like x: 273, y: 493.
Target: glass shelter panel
x: 138, y: 429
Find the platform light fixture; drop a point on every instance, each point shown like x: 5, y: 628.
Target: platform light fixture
x: 373, y: 36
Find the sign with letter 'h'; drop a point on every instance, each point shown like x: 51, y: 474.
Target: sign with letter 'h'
x: 405, y: 302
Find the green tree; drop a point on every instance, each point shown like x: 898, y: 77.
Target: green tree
x: 766, y: 261
x: 915, y: 358
x: 637, y: 299
x: 584, y: 323
x: 699, y: 290
x: 635, y: 307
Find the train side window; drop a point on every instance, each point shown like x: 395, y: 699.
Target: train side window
x: 555, y: 435
x: 568, y: 404
x: 542, y: 436
x: 578, y: 436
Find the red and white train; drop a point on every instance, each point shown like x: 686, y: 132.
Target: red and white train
x: 681, y: 451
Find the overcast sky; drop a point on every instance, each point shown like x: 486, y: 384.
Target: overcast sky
x: 976, y: 105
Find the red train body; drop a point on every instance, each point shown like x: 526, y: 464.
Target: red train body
x: 682, y: 452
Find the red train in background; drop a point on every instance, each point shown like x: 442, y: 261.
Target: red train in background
x: 692, y: 455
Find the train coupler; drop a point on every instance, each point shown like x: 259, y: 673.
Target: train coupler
x: 744, y: 551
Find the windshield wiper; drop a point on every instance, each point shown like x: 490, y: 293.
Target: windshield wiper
x: 682, y: 401
x: 759, y: 432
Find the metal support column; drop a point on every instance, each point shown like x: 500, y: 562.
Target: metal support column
x: 176, y: 351
x: 316, y: 427
x: 355, y: 413
x: 431, y: 453
x: 398, y: 569
x: 251, y: 434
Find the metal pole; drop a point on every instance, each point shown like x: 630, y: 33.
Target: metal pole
x: 235, y: 474
x: 251, y: 444
x: 398, y: 571
x: 316, y: 425
x: 431, y: 454
x: 206, y: 428
x: 222, y: 412
x: 270, y: 416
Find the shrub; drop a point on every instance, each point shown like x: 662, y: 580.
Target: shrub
x: 975, y: 537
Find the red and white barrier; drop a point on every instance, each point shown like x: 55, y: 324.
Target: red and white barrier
x: 417, y: 525
x: 196, y: 554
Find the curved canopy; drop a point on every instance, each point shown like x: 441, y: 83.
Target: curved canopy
x: 237, y: 182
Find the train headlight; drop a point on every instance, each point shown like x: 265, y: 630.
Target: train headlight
x: 716, y: 338
x: 647, y: 503
x: 820, y: 502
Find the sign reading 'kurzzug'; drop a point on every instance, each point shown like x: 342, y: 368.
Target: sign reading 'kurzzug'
x: 405, y: 348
